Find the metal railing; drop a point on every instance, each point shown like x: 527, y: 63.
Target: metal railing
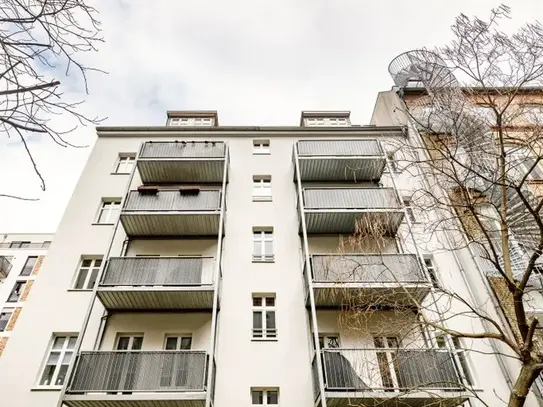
x: 5, y: 266
x: 139, y: 371
x: 172, y: 200
x: 367, y: 268
x: 315, y: 375
x: 375, y: 369
x: 24, y: 245
x: 183, y: 149
x: 339, y: 148
x: 350, y: 198
x: 158, y: 271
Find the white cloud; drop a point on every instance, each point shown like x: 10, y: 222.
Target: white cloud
x: 256, y: 62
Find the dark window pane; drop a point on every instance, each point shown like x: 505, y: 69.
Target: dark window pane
x: 80, y: 283
x: 47, y: 375
x: 270, y: 301
x: 257, y: 397
x: 137, y: 343
x: 92, y: 280
x: 270, y: 319
x: 257, y: 301
x: 257, y: 320
x: 272, y: 397
x: 123, y: 343
x: 29, y: 265
x: 186, y: 343
x: 171, y: 343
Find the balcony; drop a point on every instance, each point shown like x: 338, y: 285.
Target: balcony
x: 340, y: 160
x: 368, y: 279
x: 138, y: 378
x: 191, y: 212
x: 157, y: 283
x: 338, y: 210
x: 385, y: 377
x: 5, y: 267
x: 182, y: 162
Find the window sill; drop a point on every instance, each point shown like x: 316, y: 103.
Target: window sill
x: 102, y: 224
x: 260, y: 153
x: 119, y: 173
x: 78, y: 290
x: 263, y: 260
x: 262, y: 199
x: 264, y: 339
x: 46, y: 388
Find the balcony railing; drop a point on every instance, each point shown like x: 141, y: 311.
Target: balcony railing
x: 158, y: 283
x: 337, y: 210
x: 139, y: 371
x: 387, y: 373
x: 5, y: 267
x: 182, y: 161
x: 172, y: 212
x: 383, y: 278
x: 340, y: 160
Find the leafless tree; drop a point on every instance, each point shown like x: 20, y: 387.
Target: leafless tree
x: 475, y: 113
x: 42, y: 41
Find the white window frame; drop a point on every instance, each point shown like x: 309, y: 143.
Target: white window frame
x: 262, y: 188
x: 262, y: 307
x: 9, y: 311
x: 22, y: 283
x: 264, y: 391
x: 261, y: 146
x: 62, y: 352
x: 125, y: 163
x: 409, y: 210
x: 263, y: 236
x: 192, y: 121
x: 327, y: 122
x: 179, y: 338
x: 430, y: 265
x: 89, y: 270
x: 111, y: 208
x: 25, y: 268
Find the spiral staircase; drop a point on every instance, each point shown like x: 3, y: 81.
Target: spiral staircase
x: 445, y: 109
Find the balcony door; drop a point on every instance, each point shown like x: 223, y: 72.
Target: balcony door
x: 126, y: 371
x: 176, y: 364
x: 386, y: 352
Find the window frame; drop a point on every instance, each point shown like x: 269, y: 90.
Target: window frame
x: 327, y: 122
x: 265, y: 235
x: 409, y: 210
x: 4, y: 311
x: 264, y: 333
x: 191, y: 121
x: 22, y: 283
x: 265, y: 398
x: 432, y: 271
x: 179, y: 337
x: 114, y: 207
x: 62, y: 354
x: 262, y: 184
x: 261, y: 147
x: 125, y: 161
x: 25, y: 267
x: 89, y: 270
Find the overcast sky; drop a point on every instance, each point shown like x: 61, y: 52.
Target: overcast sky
x: 256, y: 62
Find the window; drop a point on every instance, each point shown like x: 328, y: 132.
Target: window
x: 109, y: 211
x: 46, y: 244
x: 327, y: 341
x: 262, y: 188
x: 263, y: 245
x: 125, y: 163
x: 87, y: 273
x: 261, y: 146
x: 192, y: 121
x: 264, y: 317
x: 460, y: 353
x: 393, y: 163
x: 386, y: 359
x: 327, y: 122
x: 17, y: 245
x: 129, y: 342
x: 431, y: 271
x: 178, y: 342
x: 29, y: 265
x: 5, y: 315
x: 264, y: 397
x: 58, y: 360
x: 409, y: 210
x: 15, y: 294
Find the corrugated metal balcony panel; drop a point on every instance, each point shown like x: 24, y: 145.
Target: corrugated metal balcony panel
x: 5, y: 267
x: 169, y: 213
x: 151, y: 378
x: 404, y: 377
x: 183, y: 149
x: 337, y: 210
x: 340, y: 160
x: 156, y: 298
x: 379, y: 279
x: 134, y: 401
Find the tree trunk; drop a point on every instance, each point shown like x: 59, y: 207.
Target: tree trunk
x: 522, y: 386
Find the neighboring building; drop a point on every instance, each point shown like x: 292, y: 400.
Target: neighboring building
x: 200, y: 265
x: 21, y: 256
x: 421, y: 82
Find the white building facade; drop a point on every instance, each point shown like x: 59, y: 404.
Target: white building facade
x: 205, y: 265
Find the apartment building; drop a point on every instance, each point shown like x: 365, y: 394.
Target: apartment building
x: 21, y: 257
x: 207, y: 265
x: 431, y: 102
